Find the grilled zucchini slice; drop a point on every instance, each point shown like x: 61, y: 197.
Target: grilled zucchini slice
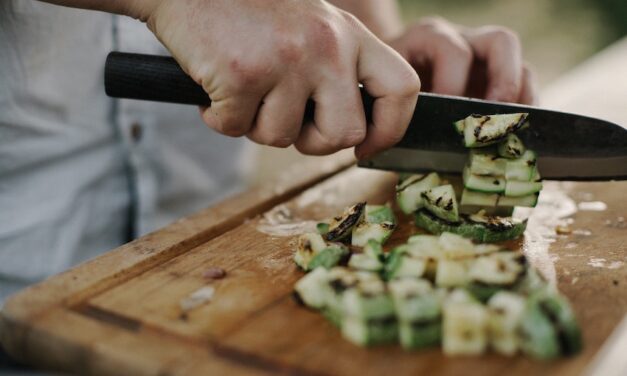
x: 442, y: 203
x: 307, y: 247
x: 515, y: 188
x: 486, y: 164
x: 482, y: 130
x: 523, y: 168
x: 409, y: 192
x: 511, y: 147
x: 485, y: 184
x: 310, y: 288
x: 341, y: 226
x: 505, y: 310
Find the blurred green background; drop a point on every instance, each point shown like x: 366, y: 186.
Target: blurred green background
x: 556, y: 34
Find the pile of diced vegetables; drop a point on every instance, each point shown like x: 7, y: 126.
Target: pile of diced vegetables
x: 443, y: 289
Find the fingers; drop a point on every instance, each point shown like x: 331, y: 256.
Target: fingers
x: 395, y: 86
x: 529, y: 91
x: 232, y: 116
x: 339, y: 120
x: 502, y: 52
x: 451, y: 56
x: 279, y: 119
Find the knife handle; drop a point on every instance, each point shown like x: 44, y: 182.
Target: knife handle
x: 161, y: 79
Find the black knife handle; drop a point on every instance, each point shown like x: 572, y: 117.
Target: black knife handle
x: 161, y: 79
x: 152, y: 78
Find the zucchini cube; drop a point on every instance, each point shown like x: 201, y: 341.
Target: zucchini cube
x: 370, y: 332
x: 505, y: 311
x: 415, y: 300
x: 464, y: 329
x: 417, y: 335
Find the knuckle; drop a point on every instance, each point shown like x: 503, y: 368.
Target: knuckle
x: 246, y: 74
x: 231, y: 125
x: 290, y: 48
x: 410, y: 83
x: 281, y: 142
x: 324, y: 34
x: 504, y: 36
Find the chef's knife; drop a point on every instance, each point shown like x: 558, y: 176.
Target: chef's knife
x: 569, y: 146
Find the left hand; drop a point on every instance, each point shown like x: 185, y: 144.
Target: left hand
x: 484, y: 62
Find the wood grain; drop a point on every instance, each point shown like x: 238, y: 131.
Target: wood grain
x: 120, y: 314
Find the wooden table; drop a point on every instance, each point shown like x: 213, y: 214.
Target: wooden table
x: 121, y: 314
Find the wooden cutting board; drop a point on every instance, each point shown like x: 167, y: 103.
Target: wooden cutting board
x: 121, y: 314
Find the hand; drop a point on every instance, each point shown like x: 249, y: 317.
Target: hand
x: 485, y: 62
x: 260, y: 63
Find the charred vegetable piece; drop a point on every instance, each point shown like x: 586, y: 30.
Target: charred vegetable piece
x: 485, y: 184
x: 485, y: 164
x: 365, y: 231
x: 441, y: 202
x: 478, y: 199
x: 529, y: 201
x: 308, y: 246
x: 310, y: 288
x: 341, y: 227
x: 370, y: 332
x: 450, y: 273
x: 337, y: 282
x: 328, y: 257
x: 515, y: 188
x: 322, y: 228
x: 464, y: 328
x: 380, y: 214
x: 401, y: 263
x: 499, y: 268
x: 482, y: 130
x: 409, y: 192
x: 414, y: 300
x: 505, y: 310
x: 459, y: 126
x: 419, y: 334
x: 523, y: 168
x: 371, y: 259
x: 488, y: 230
x: 368, y: 300
x: 511, y: 147
x: 559, y: 312
x: 537, y: 336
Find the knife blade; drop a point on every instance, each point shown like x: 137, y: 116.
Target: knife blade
x: 569, y: 146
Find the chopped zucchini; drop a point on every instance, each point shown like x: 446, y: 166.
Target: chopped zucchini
x: 537, y: 336
x: 442, y: 203
x: 511, y: 147
x: 482, y: 130
x: 427, y: 246
x: 379, y: 214
x: 482, y: 292
x: 419, y: 334
x: 337, y: 282
x: 487, y: 230
x: 365, y: 231
x: 480, y: 199
x: 515, y: 188
x: 455, y: 246
x: 310, y: 288
x: 328, y: 257
x: 523, y: 168
x: 371, y: 259
x: 370, y: 332
x: 322, y: 228
x: 459, y: 126
x: 409, y: 192
x: 464, y: 329
x: 368, y: 300
x: 559, y: 312
x: 414, y: 300
x: 485, y: 184
x: 505, y: 311
x: 499, y: 268
x: 486, y: 164
x: 529, y: 201
x: 341, y: 227
x: 307, y: 247
x: 404, y: 264
x: 451, y: 273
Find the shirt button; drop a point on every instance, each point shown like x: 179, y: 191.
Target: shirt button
x: 136, y: 132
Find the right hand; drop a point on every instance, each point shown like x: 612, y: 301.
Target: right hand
x: 260, y: 62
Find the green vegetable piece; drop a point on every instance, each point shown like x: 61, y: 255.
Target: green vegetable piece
x: 511, y: 147
x: 418, y: 335
x: 328, y: 257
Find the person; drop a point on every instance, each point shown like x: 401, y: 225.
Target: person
x: 81, y: 173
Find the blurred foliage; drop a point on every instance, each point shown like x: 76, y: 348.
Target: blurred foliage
x: 613, y: 12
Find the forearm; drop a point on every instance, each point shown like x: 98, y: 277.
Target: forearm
x: 382, y: 17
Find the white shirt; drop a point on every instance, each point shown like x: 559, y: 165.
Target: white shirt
x: 81, y: 173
